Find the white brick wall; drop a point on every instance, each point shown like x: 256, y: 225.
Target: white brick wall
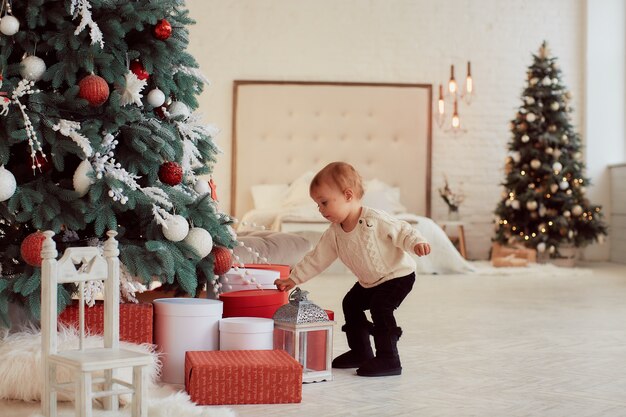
x: 396, y: 41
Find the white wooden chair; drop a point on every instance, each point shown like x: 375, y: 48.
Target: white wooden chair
x: 83, y: 362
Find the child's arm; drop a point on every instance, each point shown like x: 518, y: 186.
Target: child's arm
x: 284, y: 284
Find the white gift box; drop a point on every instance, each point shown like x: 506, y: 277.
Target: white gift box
x: 249, y: 279
x: 181, y: 325
x: 246, y: 333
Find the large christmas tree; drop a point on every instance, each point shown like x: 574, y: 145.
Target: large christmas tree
x: 98, y: 132
x: 543, y: 205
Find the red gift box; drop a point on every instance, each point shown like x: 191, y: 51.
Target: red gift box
x: 282, y: 269
x: 253, y: 303
x: 135, y: 320
x: 243, y: 377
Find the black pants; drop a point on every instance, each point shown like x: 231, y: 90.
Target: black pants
x: 380, y: 300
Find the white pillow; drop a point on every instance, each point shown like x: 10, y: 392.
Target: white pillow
x: 268, y: 196
x: 381, y: 196
x: 298, y: 192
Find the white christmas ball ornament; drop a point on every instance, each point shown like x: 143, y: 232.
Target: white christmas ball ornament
x: 535, y: 164
x: 82, y: 180
x: 555, y: 106
x: 515, y: 204
x: 552, y: 249
x: 567, y: 214
x: 564, y: 185
x: 156, y: 98
x: 577, y: 210
x: 531, y: 117
x: 32, y: 68
x: 7, y: 184
x: 546, y: 81
x: 557, y: 166
x: 554, y: 188
x: 200, y: 240
x: 525, y: 138
x: 178, y: 108
x: 9, y: 25
x: 531, y: 205
x: 541, y: 247
x: 176, y: 228
x: 202, y: 187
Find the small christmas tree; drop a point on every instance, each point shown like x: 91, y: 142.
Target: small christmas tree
x: 97, y: 132
x: 543, y: 205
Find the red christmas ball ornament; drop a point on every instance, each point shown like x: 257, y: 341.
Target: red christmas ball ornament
x: 160, y: 112
x: 94, y: 89
x: 30, y: 248
x: 137, y: 68
x: 43, y: 165
x: 162, y: 30
x: 223, y: 260
x: 171, y: 173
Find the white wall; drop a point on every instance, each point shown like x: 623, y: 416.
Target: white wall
x: 605, y: 104
x: 397, y: 41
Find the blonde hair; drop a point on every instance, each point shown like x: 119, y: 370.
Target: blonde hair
x: 340, y: 174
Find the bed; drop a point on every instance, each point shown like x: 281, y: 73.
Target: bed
x: 284, y: 132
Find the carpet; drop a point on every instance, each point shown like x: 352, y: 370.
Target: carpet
x: 485, y: 268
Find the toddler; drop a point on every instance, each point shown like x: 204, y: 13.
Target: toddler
x: 373, y: 245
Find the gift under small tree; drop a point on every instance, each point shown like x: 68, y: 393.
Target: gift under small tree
x: 98, y: 132
x: 543, y: 205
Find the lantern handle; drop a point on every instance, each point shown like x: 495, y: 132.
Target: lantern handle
x: 298, y: 295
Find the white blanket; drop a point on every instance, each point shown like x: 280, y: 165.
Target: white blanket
x: 443, y: 259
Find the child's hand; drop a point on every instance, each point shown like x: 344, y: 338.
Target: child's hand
x: 284, y: 284
x: 422, y: 249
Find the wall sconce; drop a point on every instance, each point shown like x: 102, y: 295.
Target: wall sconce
x: 451, y: 100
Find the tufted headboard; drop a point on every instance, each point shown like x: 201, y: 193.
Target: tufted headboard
x: 283, y: 129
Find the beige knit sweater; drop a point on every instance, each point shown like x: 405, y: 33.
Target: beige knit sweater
x: 375, y: 250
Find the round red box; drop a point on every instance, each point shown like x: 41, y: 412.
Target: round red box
x: 252, y: 303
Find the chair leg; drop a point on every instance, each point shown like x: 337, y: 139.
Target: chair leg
x: 110, y: 402
x: 140, y: 397
x: 83, y: 395
x: 49, y: 394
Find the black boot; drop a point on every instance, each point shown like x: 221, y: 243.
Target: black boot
x: 387, y: 360
x: 360, y: 348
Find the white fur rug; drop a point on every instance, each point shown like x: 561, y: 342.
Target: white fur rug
x: 485, y: 268
x: 21, y: 376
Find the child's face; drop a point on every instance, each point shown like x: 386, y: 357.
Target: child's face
x: 332, y: 203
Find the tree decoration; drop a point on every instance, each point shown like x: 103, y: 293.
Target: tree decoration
x: 83, y: 178
x: 8, y: 184
x: 139, y: 70
x: 94, y: 89
x: 131, y: 90
x: 202, y: 187
x: 179, y: 109
x: 30, y: 249
x: 544, y: 204
x: 200, y: 240
x: 9, y: 25
x: 175, y: 228
x: 213, y: 187
x: 123, y: 144
x: 156, y: 97
x: 162, y: 30
x: 171, y: 173
x: 223, y: 260
x: 83, y: 8
x: 32, y: 68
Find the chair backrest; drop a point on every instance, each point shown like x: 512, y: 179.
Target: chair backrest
x: 79, y: 265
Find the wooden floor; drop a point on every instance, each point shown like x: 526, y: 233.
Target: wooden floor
x: 531, y: 344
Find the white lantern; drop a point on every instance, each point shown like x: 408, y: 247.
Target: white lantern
x: 303, y: 330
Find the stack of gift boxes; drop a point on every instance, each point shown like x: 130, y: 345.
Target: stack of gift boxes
x: 223, y: 351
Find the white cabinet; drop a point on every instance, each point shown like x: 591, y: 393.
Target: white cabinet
x: 617, y: 229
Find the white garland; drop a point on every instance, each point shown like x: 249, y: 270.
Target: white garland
x: 69, y: 128
x: 83, y: 8
x: 25, y: 87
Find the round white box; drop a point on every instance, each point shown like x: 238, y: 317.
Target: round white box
x: 181, y: 325
x: 236, y: 280
x: 246, y: 333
